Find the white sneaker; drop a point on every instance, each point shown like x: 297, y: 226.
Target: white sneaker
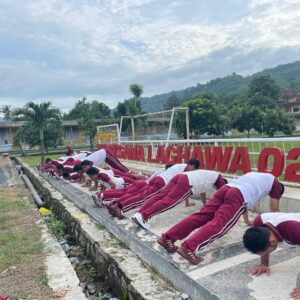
x: 138, y: 219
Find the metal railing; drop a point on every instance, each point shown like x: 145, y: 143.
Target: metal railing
x: 254, y: 145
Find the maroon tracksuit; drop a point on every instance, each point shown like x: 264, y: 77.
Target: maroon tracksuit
x: 154, y: 186
x: 119, y: 173
x: 219, y: 214
x: 114, y: 162
x: 131, y: 190
x: 176, y: 191
x: 106, y: 178
x: 73, y: 176
x: 74, y: 162
x: 285, y: 226
x: 49, y: 166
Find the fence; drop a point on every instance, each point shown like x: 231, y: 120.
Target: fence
x: 282, y: 161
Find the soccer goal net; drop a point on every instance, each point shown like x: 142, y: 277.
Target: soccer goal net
x: 163, y: 125
x: 108, y: 134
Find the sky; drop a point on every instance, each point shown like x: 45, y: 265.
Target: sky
x: 61, y: 50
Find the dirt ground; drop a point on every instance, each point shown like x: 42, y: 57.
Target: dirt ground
x: 22, y: 270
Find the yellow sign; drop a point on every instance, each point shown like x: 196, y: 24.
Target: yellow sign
x: 107, y: 136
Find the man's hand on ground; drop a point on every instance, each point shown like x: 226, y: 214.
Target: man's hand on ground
x: 260, y: 269
x: 295, y: 294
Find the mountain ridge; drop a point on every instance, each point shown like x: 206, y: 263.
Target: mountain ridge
x: 228, y: 87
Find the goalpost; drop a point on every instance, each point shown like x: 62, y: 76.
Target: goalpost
x: 164, y: 126
x: 108, y: 134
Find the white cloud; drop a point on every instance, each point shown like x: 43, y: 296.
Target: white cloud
x: 60, y: 48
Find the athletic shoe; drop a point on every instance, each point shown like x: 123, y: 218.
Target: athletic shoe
x: 116, y: 211
x: 138, y: 219
x: 97, y: 201
x: 188, y: 255
x: 167, y: 244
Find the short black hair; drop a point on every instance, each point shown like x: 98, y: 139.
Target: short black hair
x: 59, y: 167
x: 256, y: 239
x: 282, y: 188
x: 168, y: 166
x: 77, y: 168
x: 65, y: 175
x: 194, y: 162
x: 48, y: 159
x: 92, y: 171
x: 86, y: 163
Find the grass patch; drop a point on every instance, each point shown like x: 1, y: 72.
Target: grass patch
x: 21, y: 248
x: 100, y: 226
x: 57, y: 227
x: 35, y: 160
x: 122, y: 244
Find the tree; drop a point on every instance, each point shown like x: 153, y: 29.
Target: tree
x: 172, y: 101
x: 121, y: 110
x: 7, y: 115
x: 128, y: 108
x: 7, y: 112
x: 245, y: 117
x: 206, y: 116
x: 263, y: 92
x: 39, y: 117
x: 276, y: 121
x: 99, y: 109
x: 29, y: 135
x: 136, y: 90
x: 88, y: 114
x: 88, y: 124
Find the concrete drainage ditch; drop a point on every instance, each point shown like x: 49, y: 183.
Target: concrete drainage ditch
x: 104, y: 265
x: 92, y: 282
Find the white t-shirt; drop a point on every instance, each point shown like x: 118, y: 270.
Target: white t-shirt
x: 202, y: 181
x: 277, y: 218
x: 118, y: 181
x: 153, y: 175
x: 168, y: 174
x: 97, y: 157
x: 253, y: 186
x: 62, y: 160
x: 79, y: 156
x: 108, y: 171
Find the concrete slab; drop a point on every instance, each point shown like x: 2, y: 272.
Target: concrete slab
x: 224, y: 271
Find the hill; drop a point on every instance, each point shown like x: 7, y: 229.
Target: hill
x: 229, y: 87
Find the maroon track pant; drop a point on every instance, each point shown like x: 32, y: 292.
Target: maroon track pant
x: 131, y: 190
x: 119, y: 173
x: 114, y: 162
x: 130, y: 202
x: 177, y: 190
x: 220, y: 214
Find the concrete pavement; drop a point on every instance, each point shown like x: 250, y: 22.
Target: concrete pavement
x: 224, y: 271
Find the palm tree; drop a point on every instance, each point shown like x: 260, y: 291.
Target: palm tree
x: 136, y: 90
x: 7, y: 112
x: 39, y: 116
x: 7, y: 116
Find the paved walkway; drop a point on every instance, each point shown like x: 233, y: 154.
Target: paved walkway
x: 224, y: 271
